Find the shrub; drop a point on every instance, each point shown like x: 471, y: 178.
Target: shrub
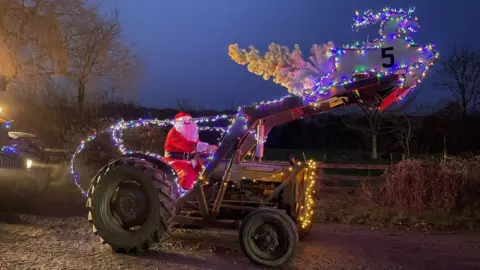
x: 413, y: 185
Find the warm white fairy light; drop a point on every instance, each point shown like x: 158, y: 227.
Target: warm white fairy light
x: 309, y: 207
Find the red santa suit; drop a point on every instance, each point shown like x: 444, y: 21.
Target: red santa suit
x: 181, y: 145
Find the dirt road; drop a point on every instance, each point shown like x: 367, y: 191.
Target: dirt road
x: 56, y: 235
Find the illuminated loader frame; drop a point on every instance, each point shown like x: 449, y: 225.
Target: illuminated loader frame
x: 240, y: 140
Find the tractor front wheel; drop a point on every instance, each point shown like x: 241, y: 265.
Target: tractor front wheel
x: 268, y: 237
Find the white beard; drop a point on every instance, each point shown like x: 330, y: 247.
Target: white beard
x: 189, y: 132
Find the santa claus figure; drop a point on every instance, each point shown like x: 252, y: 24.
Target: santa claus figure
x: 181, y: 149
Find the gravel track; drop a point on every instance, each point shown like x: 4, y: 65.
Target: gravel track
x: 53, y: 233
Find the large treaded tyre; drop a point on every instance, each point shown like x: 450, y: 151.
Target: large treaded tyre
x: 160, y: 194
x: 278, y: 227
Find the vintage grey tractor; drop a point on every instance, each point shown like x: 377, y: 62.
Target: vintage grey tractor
x: 135, y: 199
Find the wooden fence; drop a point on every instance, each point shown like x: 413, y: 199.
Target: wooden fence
x: 348, y: 175
x: 329, y: 175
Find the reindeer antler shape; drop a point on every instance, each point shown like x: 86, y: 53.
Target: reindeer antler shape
x: 394, y: 23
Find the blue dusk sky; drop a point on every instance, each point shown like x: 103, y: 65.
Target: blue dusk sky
x: 184, y: 43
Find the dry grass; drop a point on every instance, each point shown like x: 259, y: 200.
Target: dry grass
x: 350, y: 209
x: 414, y: 185
x: 415, y: 194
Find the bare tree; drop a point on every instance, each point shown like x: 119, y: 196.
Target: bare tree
x: 460, y: 75
x: 98, y: 59
x: 370, y: 123
x: 66, y: 42
x: 447, y: 109
x: 31, y: 32
x: 403, y: 128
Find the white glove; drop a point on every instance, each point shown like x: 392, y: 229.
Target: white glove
x: 202, y: 147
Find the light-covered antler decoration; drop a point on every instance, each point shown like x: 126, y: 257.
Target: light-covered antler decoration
x: 288, y: 69
x: 329, y: 67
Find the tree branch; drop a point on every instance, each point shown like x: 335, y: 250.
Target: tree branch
x: 460, y: 75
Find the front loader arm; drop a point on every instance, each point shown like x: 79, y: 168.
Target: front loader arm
x: 368, y: 91
x: 378, y: 93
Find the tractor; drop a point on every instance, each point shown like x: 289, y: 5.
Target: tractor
x: 24, y: 164
x: 135, y: 199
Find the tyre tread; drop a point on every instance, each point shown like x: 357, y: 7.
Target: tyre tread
x: 166, y: 193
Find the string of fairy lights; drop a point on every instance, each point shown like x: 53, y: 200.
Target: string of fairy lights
x: 308, y: 208
x: 403, y: 19
x: 12, y: 148
x: 116, y: 132
x: 405, y: 25
x: 8, y: 149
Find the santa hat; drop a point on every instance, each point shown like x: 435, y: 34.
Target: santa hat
x: 182, y: 116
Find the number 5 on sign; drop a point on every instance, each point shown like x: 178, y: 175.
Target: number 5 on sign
x: 387, y: 55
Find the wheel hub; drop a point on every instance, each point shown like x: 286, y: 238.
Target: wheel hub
x: 131, y: 205
x: 128, y: 207
x: 266, y: 238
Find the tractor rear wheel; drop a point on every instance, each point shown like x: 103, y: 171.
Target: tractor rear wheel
x: 131, y: 204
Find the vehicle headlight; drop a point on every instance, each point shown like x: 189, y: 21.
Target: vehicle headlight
x: 29, y: 163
